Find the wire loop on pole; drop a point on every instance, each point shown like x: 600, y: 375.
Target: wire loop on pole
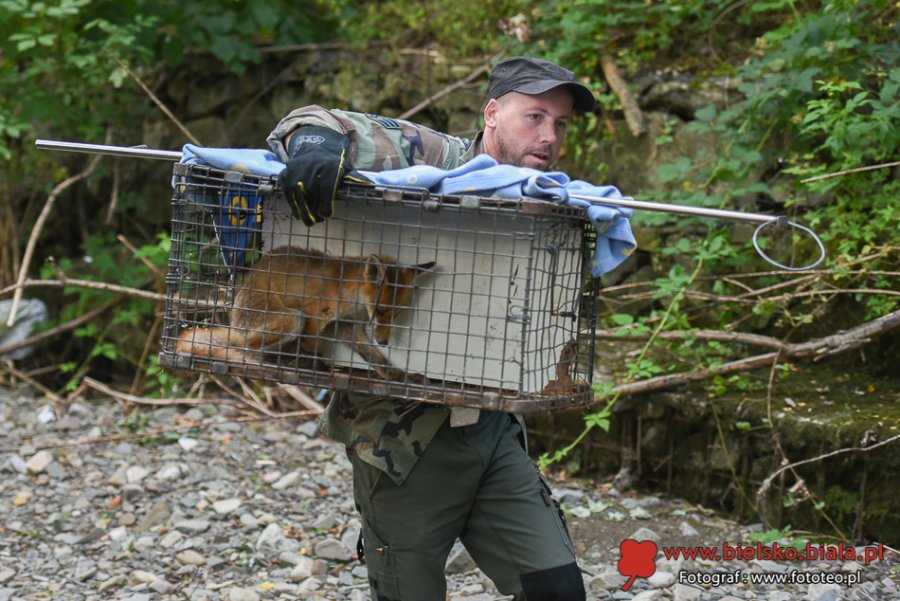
x: 783, y: 222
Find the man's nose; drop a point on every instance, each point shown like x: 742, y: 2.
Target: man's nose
x: 549, y: 134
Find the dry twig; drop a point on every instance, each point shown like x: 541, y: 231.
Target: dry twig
x: 39, y: 225
x: 159, y: 103
x: 454, y: 86
x: 633, y: 115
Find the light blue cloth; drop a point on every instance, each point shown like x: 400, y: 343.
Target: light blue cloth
x: 245, y: 160
x: 483, y: 176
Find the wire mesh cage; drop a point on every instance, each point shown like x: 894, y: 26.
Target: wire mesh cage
x: 457, y: 300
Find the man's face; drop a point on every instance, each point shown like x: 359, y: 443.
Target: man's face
x: 528, y: 130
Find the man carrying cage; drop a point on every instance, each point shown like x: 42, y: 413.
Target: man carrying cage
x: 421, y: 480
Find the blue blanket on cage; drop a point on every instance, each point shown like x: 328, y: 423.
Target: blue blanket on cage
x: 239, y: 214
x: 483, y: 176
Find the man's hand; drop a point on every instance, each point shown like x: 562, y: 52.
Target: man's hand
x: 317, y: 162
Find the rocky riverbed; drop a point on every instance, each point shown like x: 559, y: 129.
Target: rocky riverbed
x: 263, y: 510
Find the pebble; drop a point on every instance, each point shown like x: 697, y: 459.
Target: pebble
x: 246, y: 513
x: 39, y: 462
x: 333, y: 549
x: 226, y: 506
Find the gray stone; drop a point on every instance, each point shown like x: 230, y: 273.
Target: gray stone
x: 287, y: 480
x: 660, y: 579
x: 302, y: 569
x: 823, y: 592
x: 642, y: 534
x: 770, y: 566
x: 270, y: 538
x: 188, y: 444
x: 242, y: 594
x: 333, y: 549
x: 190, y: 557
x: 683, y: 592
x: 192, y: 526
x: 17, y: 464
x: 119, y: 477
x: 157, y: 515
x: 607, y: 580
x: 171, y: 538
x: 168, y: 472
x: 687, y: 530
x: 226, y: 506
x: 459, y: 560
x: 653, y: 595
x: 135, y: 474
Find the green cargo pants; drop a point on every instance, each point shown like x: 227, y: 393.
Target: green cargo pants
x: 475, y: 483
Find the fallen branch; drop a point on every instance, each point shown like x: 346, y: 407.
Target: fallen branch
x: 301, y: 397
x: 11, y: 368
x: 137, y: 400
x: 633, y: 115
x: 815, y: 349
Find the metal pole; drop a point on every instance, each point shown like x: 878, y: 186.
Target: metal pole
x: 678, y: 209
x: 120, y: 151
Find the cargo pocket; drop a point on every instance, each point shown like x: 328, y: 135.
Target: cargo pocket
x: 560, y: 517
x: 380, y: 563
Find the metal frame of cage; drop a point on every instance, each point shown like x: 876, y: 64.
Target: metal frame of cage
x: 504, y: 321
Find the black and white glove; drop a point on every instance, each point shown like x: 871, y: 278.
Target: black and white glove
x: 318, y: 159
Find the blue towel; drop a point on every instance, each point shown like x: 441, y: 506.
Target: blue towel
x: 236, y: 209
x: 484, y: 176
x: 247, y: 160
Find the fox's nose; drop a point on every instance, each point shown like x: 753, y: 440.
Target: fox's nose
x: 382, y: 334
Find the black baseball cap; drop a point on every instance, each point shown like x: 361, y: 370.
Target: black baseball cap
x: 530, y: 75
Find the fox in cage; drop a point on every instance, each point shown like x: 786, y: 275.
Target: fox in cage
x: 304, y: 297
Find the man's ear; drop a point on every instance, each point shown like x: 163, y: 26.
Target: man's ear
x: 490, y: 113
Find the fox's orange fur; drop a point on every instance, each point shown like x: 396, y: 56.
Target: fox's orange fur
x: 296, y: 293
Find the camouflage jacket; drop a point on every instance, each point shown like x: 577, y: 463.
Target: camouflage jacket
x: 380, y: 143
x: 390, y: 434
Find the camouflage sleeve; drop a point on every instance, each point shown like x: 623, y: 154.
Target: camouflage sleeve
x: 377, y: 143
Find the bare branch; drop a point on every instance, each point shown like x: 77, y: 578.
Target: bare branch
x: 455, y: 86
x: 633, y: 115
x: 39, y: 225
x: 816, y: 349
x: 847, y: 171
x: 768, y: 481
x: 66, y: 283
x: 71, y: 325
x: 159, y: 103
x: 137, y: 400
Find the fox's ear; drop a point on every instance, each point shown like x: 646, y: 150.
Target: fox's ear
x: 376, y: 271
x: 422, y: 269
